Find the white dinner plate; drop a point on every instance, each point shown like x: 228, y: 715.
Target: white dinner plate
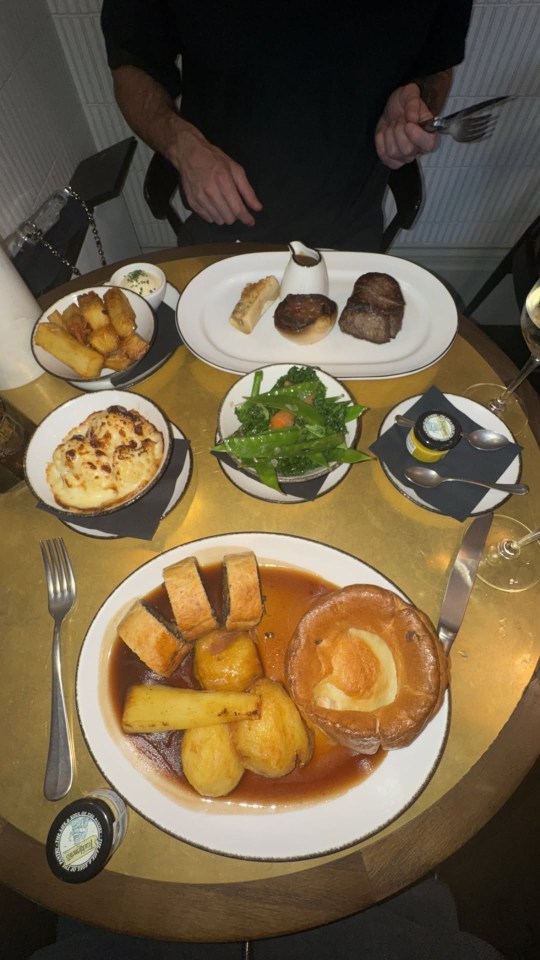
x: 171, y: 298
x: 481, y: 416
x: 429, y: 322
x: 281, y: 833
x: 180, y: 487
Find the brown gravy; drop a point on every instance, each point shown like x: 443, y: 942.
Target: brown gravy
x: 304, y: 261
x: 287, y: 593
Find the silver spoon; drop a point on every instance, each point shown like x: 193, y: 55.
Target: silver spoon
x: 481, y: 438
x: 427, y: 477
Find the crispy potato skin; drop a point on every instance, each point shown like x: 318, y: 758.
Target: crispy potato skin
x: 210, y: 762
x: 278, y: 741
x: 421, y: 665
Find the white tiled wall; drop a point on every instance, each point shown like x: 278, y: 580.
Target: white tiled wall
x: 477, y: 195
x: 43, y: 129
x: 486, y: 193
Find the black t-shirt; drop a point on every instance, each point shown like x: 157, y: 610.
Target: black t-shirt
x: 291, y: 93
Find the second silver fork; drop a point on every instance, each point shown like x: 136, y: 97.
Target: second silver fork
x: 61, y: 592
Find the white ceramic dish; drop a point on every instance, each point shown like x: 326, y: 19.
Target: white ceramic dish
x: 228, y: 422
x: 484, y: 418
x: 429, y: 323
x: 255, y: 488
x: 283, y: 833
x: 180, y: 488
x: 52, y: 430
x: 153, y: 297
x: 146, y: 328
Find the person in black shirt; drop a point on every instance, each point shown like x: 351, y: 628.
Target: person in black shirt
x: 291, y: 113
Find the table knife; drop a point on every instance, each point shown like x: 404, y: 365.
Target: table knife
x: 461, y: 580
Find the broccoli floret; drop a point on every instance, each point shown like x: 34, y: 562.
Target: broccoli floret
x: 254, y: 418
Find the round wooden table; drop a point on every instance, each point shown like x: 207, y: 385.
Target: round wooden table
x: 156, y: 885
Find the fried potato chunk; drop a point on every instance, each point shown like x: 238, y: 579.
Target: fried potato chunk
x: 225, y: 660
x: 210, y: 761
x: 134, y: 346
x: 278, y: 741
x: 120, y: 311
x: 58, y: 342
x: 93, y: 310
x: 105, y: 340
x: 118, y: 360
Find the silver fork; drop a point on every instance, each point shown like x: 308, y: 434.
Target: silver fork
x: 61, y: 592
x: 462, y: 129
x: 465, y: 126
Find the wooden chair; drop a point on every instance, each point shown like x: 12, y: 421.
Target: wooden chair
x: 161, y: 185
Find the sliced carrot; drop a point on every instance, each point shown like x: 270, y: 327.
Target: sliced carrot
x: 281, y: 419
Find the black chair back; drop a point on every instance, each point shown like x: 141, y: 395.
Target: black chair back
x: 522, y: 262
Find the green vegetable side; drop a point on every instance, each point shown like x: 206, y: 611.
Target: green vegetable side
x: 292, y: 429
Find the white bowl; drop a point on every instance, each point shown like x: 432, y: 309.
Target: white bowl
x: 52, y: 430
x: 153, y: 297
x: 146, y: 328
x: 228, y: 422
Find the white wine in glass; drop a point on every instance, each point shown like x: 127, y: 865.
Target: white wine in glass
x: 511, y: 558
x: 503, y: 401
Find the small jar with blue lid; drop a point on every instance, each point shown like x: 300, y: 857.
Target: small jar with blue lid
x: 434, y: 433
x: 85, y: 834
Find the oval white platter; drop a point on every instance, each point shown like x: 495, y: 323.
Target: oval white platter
x: 429, y: 322
x: 275, y: 834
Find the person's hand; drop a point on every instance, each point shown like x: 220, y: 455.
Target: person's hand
x: 398, y: 137
x: 215, y: 186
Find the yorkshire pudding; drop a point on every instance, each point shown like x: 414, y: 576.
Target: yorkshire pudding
x: 367, y: 668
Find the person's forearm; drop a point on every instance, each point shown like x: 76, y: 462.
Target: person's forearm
x: 150, y: 112
x: 434, y: 89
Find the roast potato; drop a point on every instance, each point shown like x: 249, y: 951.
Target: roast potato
x: 225, y: 660
x: 276, y: 742
x: 210, y: 761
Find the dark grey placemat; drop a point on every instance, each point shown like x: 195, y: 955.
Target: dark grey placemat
x: 456, y: 500
x: 140, y: 519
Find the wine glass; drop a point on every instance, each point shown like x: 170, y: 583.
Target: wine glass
x: 511, y: 558
x: 502, y: 401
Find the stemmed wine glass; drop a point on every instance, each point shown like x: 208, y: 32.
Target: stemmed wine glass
x: 503, y: 402
x: 511, y: 558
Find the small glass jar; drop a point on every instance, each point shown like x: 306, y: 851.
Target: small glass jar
x: 85, y: 834
x: 433, y: 435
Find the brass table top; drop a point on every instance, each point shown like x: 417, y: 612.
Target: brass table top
x: 156, y: 885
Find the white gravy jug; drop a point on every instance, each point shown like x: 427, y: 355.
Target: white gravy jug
x: 305, y: 272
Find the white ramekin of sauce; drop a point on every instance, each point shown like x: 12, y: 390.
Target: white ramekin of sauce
x: 146, y: 279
